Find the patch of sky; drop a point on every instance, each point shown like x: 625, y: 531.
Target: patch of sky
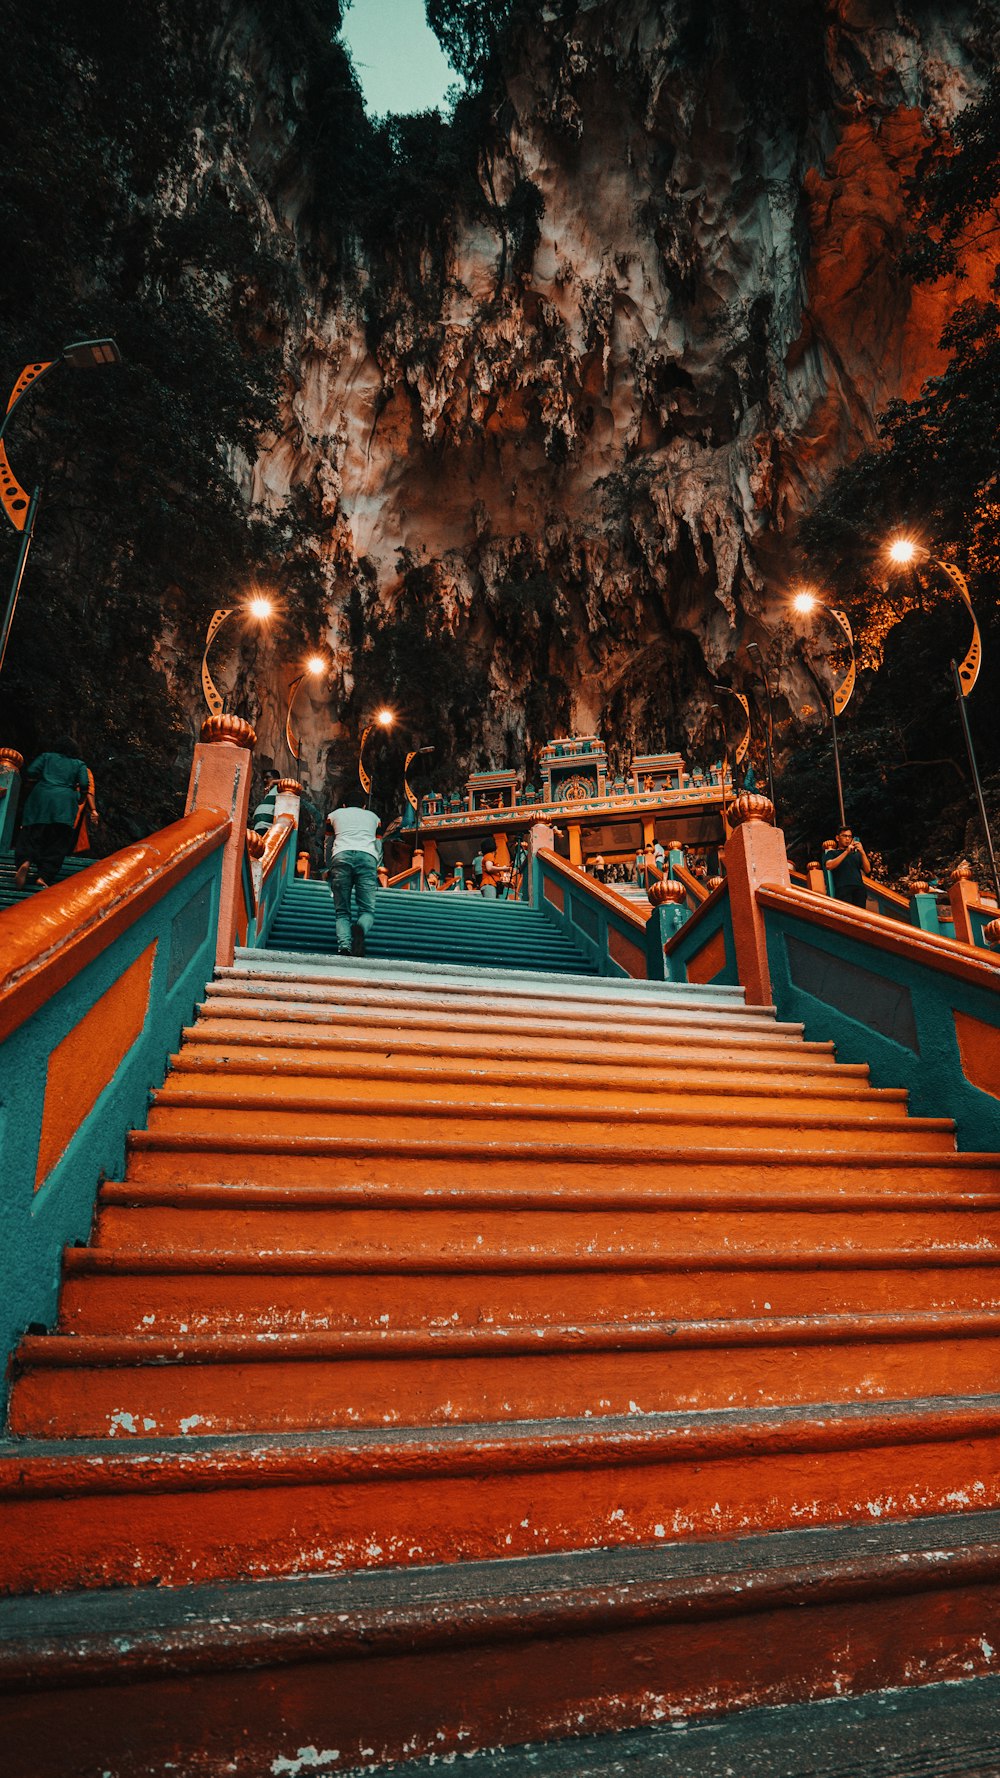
x: 399, y: 62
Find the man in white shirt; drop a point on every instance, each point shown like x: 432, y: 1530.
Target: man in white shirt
x: 354, y: 865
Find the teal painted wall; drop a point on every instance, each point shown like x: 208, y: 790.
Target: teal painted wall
x: 588, y: 919
x: 919, y: 1049
x: 696, y: 932
x: 36, y: 1225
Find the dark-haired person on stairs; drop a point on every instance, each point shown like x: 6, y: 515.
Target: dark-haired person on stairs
x: 355, y: 859
x: 58, y: 784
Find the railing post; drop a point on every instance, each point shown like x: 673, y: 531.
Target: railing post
x: 816, y: 877
x: 540, y: 834
x: 963, y: 891
x: 755, y: 854
x: 288, y: 800
x: 11, y: 767
x: 220, y: 779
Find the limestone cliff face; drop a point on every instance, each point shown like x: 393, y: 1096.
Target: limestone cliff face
x: 575, y: 453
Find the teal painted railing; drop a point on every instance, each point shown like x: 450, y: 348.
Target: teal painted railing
x: 276, y: 870
x: 613, y: 935
x: 100, y: 974
x: 921, y: 1010
x: 702, y: 949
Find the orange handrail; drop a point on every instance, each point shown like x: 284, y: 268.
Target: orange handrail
x: 968, y: 962
x: 635, y: 914
x: 48, y: 939
x: 274, y: 843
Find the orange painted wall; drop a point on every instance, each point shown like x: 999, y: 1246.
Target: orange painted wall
x: 87, y: 1059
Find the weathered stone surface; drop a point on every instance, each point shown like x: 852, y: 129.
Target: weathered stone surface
x: 710, y: 320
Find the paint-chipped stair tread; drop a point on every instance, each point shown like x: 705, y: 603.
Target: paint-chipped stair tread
x: 574, y: 1641
x: 116, y: 1512
x: 240, y: 1042
x: 484, y: 1009
x: 184, y: 1291
x: 469, y: 983
x: 949, y: 1730
x: 260, y: 1072
x: 481, y: 1171
x: 87, y: 1385
x: 215, y: 1112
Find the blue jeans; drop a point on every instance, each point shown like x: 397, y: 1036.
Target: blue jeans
x: 357, y: 871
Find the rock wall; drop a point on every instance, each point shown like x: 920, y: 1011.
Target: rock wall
x: 575, y: 457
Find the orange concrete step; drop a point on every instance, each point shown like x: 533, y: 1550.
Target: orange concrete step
x: 175, y: 1512
x: 326, y: 1110
x: 497, y: 998
x: 625, y: 1048
x: 253, y: 1075
x: 174, y: 1292
x: 268, y: 1222
x: 656, y: 1073
x: 369, y: 1670
x: 742, y: 1028
x: 491, y: 1167
x: 89, y: 1386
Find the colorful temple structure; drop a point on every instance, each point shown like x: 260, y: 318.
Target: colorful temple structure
x: 591, y: 813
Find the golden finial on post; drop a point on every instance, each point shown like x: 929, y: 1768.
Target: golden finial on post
x: 226, y: 727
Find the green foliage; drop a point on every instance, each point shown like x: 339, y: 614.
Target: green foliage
x: 775, y: 49
x: 470, y: 33
x: 141, y: 530
x: 435, y: 676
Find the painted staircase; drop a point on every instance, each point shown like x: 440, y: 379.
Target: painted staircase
x: 472, y: 1358
x: 457, y: 928
x: 12, y: 896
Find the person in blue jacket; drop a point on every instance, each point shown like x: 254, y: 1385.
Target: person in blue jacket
x: 58, y: 787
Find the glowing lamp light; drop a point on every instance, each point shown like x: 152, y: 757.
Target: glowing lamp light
x: 804, y: 603
x: 261, y: 609
x: 386, y: 718
x: 902, y: 551
x: 315, y: 665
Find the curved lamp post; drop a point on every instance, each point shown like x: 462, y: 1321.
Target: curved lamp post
x: 753, y: 648
x: 384, y: 719
x: 315, y: 665
x: 20, y: 507
x: 258, y: 608
x: 726, y: 691
x: 808, y: 605
x: 903, y: 552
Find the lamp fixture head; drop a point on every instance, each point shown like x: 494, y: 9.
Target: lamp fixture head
x: 385, y: 718
x: 260, y: 608
x: 902, y: 551
x: 91, y: 354
x: 315, y: 665
x: 804, y: 602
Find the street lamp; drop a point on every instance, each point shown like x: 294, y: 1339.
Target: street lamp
x: 260, y: 609
x: 384, y: 720
x: 753, y: 648
x: 726, y: 691
x: 808, y: 605
x: 413, y: 801
x: 314, y: 667
x: 22, y: 509
x: 903, y: 552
